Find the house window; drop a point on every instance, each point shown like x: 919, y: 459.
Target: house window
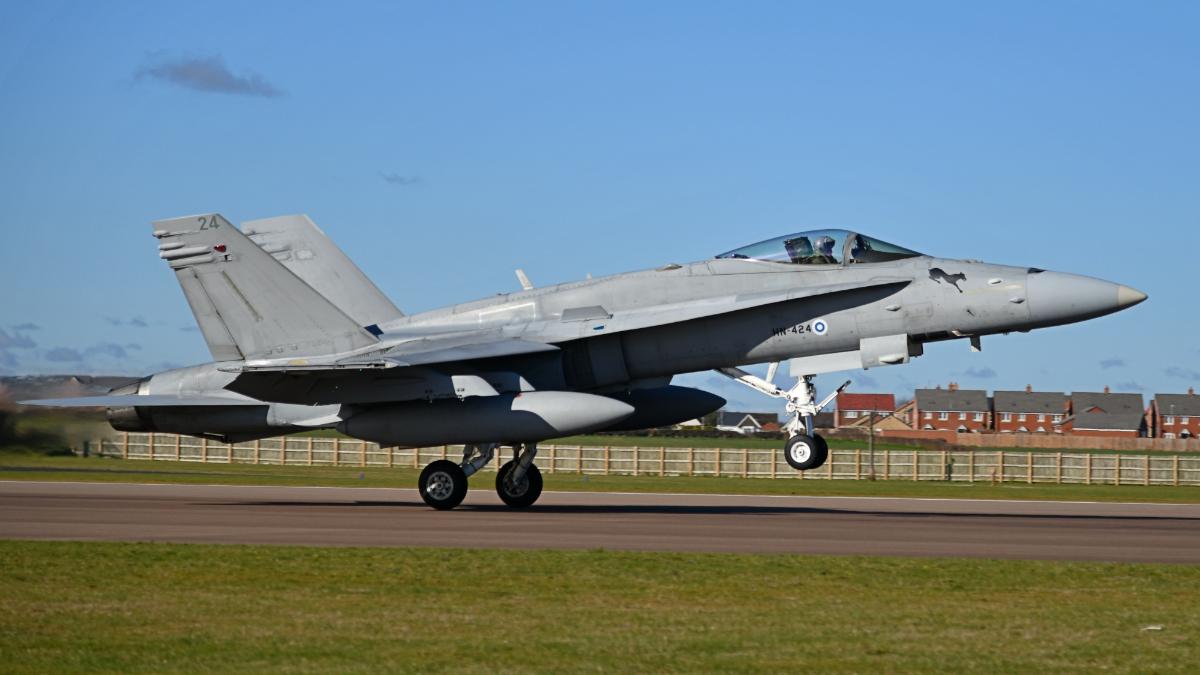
x: 1184, y: 420
x: 978, y: 417
x: 1007, y: 417
x: 928, y: 415
x: 943, y: 416
x: 1169, y: 419
x: 1057, y: 418
x: 850, y: 414
x: 962, y: 416
x: 1168, y: 435
x: 1041, y: 417
x: 1021, y: 417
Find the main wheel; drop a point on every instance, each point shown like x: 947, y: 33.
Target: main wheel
x: 804, y: 452
x: 442, y: 484
x: 522, y: 494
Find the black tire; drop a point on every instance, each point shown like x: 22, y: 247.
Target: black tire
x: 443, y: 484
x: 521, y: 496
x: 804, y: 452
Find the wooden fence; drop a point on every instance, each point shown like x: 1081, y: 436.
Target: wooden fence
x: 843, y: 464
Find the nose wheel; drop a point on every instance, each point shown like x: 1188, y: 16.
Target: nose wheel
x: 804, y: 452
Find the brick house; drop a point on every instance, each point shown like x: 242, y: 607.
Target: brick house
x: 1029, y: 411
x: 852, y: 408
x: 1175, y: 415
x: 1105, y: 414
x: 952, y: 409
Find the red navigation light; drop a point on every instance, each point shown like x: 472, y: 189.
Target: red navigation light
x: 219, y: 248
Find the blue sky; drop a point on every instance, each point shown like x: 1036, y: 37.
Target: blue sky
x: 444, y: 144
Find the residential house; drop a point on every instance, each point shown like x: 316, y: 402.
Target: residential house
x: 1029, y: 411
x: 1105, y: 414
x: 852, y: 409
x: 951, y: 409
x: 1175, y: 415
x: 746, y: 422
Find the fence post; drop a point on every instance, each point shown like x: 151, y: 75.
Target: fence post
x: 1058, y: 469
x: 662, y: 461
x: 635, y: 460
x: 362, y: 455
x: 579, y: 459
x: 151, y: 448
x: 1146, y: 470
x: 177, y: 440
x: 607, y: 460
x: 946, y: 473
x: 971, y: 466
x: 125, y: 446
x: 745, y: 461
x: 1087, y: 469
x: 774, y: 460
x: 916, y: 464
x: 717, y: 468
x: 310, y: 449
x: 692, y: 461
x: 204, y: 451
x: 858, y: 464
x: 1029, y: 468
x: 1175, y: 470
x: 887, y: 463
x: 829, y: 461
x: 257, y: 450
x: 1117, y: 473
x: 1000, y: 465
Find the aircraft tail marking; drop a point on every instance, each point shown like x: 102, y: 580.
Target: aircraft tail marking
x: 248, y: 305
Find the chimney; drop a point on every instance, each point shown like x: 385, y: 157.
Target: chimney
x: 1107, y: 390
x: 1029, y: 389
x: 953, y: 386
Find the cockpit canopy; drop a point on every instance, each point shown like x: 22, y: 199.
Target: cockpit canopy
x: 822, y: 247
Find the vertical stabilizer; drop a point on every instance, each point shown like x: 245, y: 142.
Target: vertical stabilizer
x: 247, y: 303
x: 310, y: 254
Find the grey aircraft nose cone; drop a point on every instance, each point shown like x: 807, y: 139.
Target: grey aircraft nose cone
x: 1055, y: 297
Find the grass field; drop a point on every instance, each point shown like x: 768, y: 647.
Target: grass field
x: 171, y: 608
x: 30, y: 466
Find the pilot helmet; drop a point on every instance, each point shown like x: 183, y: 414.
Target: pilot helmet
x: 824, y: 245
x: 798, y: 246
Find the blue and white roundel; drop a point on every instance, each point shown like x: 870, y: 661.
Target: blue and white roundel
x: 820, y: 327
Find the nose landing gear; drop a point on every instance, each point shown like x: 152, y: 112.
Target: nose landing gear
x: 805, y: 449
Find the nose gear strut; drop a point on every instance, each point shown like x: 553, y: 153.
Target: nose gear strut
x: 804, y: 449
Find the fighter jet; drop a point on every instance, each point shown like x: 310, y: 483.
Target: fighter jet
x: 301, y: 339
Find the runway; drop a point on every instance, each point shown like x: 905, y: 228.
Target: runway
x: 618, y: 521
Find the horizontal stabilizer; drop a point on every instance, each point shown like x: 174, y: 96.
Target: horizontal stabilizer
x: 134, y: 400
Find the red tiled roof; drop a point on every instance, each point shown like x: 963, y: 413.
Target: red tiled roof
x: 866, y: 402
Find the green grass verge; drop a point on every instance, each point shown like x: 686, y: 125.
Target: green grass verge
x: 16, y: 466
x: 128, y: 608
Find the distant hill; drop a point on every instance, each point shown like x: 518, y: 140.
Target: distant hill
x: 23, y: 387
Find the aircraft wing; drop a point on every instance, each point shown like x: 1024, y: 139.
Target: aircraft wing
x: 421, y: 351
x: 130, y: 400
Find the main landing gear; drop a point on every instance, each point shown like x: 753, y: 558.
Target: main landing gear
x: 805, y: 449
x: 443, y: 484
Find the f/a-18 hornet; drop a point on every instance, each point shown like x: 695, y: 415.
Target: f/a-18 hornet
x: 301, y: 339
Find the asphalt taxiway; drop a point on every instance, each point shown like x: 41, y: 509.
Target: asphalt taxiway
x: 621, y: 521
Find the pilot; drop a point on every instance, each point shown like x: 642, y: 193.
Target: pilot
x: 824, y: 254
x: 799, y: 250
